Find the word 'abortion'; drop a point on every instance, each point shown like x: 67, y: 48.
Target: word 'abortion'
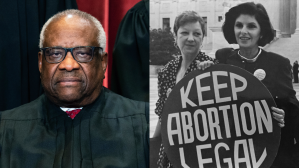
x: 217, y: 118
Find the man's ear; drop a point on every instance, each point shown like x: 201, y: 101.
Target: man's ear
x: 40, y: 61
x: 104, y: 61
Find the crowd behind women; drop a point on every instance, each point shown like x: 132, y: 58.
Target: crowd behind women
x: 249, y: 26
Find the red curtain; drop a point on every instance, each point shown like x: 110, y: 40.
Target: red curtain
x: 110, y: 14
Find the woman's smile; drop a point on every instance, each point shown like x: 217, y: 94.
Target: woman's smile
x: 244, y: 38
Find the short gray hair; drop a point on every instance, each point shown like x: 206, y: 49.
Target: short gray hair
x: 101, y: 33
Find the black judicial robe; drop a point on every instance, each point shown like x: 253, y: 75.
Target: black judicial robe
x: 21, y: 22
x: 111, y: 132
x: 278, y: 81
x: 130, y: 65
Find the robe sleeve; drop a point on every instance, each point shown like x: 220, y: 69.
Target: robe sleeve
x: 131, y: 55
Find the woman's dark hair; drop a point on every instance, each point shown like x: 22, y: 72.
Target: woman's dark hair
x: 252, y: 9
x: 188, y: 17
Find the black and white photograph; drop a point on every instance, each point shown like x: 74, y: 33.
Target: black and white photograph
x: 224, y: 83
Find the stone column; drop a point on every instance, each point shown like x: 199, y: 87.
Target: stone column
x: 212, y: 13
x: 293, y: 11
x: 285, y: 25
x: 192, y: 5
x: 158, y: 5
x: 273, y: 9
x: 196, y: 6
x: 155, y: 14
x: 174, y: 13
x: 276, y: 20
x: 297, y: 19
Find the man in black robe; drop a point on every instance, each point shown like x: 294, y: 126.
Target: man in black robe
x: 77, y: 122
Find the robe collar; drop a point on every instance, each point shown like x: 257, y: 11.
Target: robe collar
x: 51, y: 110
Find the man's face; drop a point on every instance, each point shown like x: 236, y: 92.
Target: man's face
x: 70, y: 83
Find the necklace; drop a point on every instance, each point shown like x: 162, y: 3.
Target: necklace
x: 253, y: 59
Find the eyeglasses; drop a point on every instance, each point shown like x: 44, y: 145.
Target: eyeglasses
x: 80, y: 54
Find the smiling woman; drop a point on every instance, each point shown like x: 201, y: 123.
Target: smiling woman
x: 247, y: 32
x: 249, y: 26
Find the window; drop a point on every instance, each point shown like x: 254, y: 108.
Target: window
x: 206, y: 23
x: 166, y: 24
x: 219, y: 18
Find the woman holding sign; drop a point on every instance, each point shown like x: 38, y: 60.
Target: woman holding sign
x: 189, y: 32
x: 248, y: 25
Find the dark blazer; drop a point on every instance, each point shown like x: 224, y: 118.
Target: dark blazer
x: 278, y: 80
x: 110, y: 132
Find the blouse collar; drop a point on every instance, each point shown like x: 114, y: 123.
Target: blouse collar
x: 252, y: 59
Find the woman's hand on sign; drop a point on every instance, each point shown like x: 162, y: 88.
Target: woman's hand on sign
x: 168, y: 92
x: 278, y: 114
x: 204, y: 64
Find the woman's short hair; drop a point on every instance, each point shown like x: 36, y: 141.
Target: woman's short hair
x: 188, y: 17
x: 252, y: 9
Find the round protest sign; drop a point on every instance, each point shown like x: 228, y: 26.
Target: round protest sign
x: 220, y: 117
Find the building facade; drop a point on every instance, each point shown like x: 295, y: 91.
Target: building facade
x: 282, y: 13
